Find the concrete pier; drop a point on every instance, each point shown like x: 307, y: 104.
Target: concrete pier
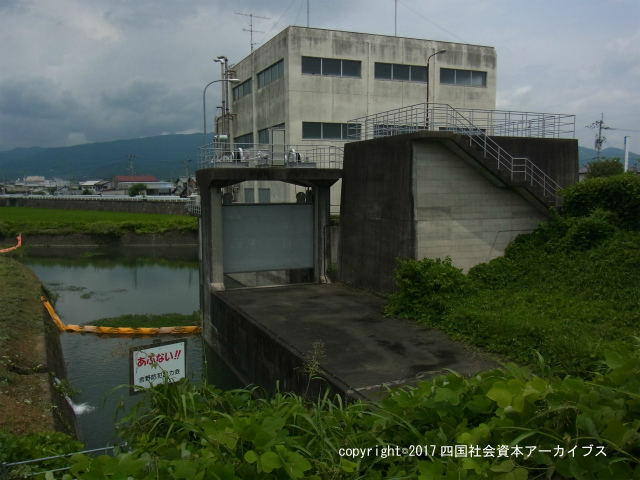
x: 267, y: 334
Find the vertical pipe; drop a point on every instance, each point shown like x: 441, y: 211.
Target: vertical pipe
x: 626, y: 154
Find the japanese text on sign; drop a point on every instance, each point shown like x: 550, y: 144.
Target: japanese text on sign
x: 151, y: 364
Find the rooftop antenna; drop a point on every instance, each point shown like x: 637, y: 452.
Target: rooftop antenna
x: 251, y: 30
x: 308, y: 13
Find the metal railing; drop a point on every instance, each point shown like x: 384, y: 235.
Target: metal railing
x: 506, y: 123
x: 221, y: 155
x: 5, y: 468
x: 441, y: 117
x: 194, y: 207
x: 435, y: 116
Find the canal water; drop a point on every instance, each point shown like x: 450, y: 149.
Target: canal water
x: 93, y: 284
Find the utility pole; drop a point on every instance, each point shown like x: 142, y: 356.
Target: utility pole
x: 185, y: 162
x: 600, y: 139
x: 131, y: 156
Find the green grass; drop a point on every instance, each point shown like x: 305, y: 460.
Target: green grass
x: 19, y: 296
x: 150, y: 321
x: 45, y: 221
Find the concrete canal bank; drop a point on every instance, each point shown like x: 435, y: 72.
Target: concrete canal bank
x: 272, y: 334
x: 167, y: 239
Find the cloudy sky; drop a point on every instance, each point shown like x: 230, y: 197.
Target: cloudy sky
x: 79, y: 71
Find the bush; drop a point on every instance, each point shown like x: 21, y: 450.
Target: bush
x: 136, y: 189
x: 426, y: 287
x: 619, y: 194
x: 604, y: 168
x: 586, y: 232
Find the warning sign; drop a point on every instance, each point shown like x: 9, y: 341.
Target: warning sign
x: 151, y: 364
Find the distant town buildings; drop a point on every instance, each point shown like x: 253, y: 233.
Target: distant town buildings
x: 117, y: 185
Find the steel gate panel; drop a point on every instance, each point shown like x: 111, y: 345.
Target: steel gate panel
x: 266, y: 237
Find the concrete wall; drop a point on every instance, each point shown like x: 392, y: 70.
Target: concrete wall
x: 63, y: 415
x: 462, y: 214
x: 100, y: 204
x: 258, y: 356
x: 558, y: 158
x: 376, y: 219
x: 416, y: 196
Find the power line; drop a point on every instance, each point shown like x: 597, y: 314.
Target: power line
x: 276, y: 23
x: 432, y: 23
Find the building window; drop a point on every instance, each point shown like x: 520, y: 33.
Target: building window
x: 330, y: 131
x: 263, y: 135
x: 242, y: 90
x: 333, y: 67
x: 271, y: 74
x: 400, y: 72
x: 244, y: 141
x: 249, y: 195
x: 469, y: 78
x: 264, y: 195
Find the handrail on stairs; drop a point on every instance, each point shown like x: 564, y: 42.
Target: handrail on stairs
x: 443, y: 117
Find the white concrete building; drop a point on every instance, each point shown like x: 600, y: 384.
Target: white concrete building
x: 311, y: 81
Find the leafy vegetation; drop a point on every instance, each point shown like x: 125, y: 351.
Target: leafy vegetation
x: 17, y: 448
x: 568, y: 290
x: 41, y: 221
x: 503, y: 424
x: 619, y: 195
x: 604, y: 168
x: 150, y: 321
x: 137, y: 189
x: 570, y: 305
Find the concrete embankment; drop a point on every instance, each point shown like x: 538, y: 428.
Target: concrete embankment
x: 166, y: 239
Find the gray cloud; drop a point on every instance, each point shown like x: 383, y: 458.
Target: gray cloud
x: 35, y: 97
x: 111, y: 69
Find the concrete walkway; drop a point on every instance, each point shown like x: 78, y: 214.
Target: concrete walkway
x: 364, y: 349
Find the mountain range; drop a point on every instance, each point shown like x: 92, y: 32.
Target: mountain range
x: 166, y: 156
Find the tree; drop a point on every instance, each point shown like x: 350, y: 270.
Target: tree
x: 136, y: 189
x: 604, y: 168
